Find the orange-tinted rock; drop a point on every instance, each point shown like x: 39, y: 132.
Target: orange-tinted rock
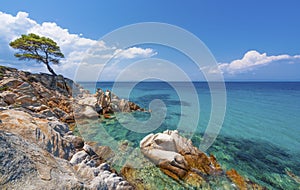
x: 131, y: 176
x: 171, y: 170
x: 133, y: 106
x: 178, y: 158
x: 194, y: 179
x: 107, y: 116
x: 199, y: 161
x: 237, y: 179
x: 216, y: 165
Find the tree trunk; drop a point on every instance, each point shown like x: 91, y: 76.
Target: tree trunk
x: 50, y: 69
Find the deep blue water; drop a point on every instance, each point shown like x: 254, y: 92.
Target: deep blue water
x: 260, y: 136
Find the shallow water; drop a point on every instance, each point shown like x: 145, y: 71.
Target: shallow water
x: 259, y: 136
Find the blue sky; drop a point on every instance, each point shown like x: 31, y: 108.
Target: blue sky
x: 250, y: 40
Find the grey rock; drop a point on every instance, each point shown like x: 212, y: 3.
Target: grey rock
x: 89, y: 150
x: 98, y: 183
x: 8, y: 97
x: 48, y: 113
x: 25, y: 165
x: 104, y: 166
x: 59, y: 127
x: 78, y: 157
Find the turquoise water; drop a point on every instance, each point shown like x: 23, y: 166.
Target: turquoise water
x: 259, y: 136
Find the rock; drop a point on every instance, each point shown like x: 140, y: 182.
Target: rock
x: 194, y: 180
x: 48, y: 135
x: 236, y: 179
x: 59, y: 127
x: 89, y: 112
x: 98, y: 108
x: 78, y: 142
x: 104, y: 166
x: 178, y: 158
x: 132, y: 175
x: 105, y: 152
x: 88, y: 100
x: 26, y: 100
x: 37, y: 108
x: 172, y: 170
x: 88, y: 149
x: 60, y: 113
x: 25, y: 89
x: 84, y: 171
x: 25, y: 165
x: 124, y: 106
x: 78, y: 157
x: 133, y: 106
x: 68, y: 118
x: 100, y: 177
x: 8, y: 97
x: 98, y: 183
x: 2, y: 103
x: 149, y: 177
x: 11, y: 82
x: 34, y: 138
x: 113, y: 181
x: 107, y: 116
x: 48, y: 113
x: 124, y: 185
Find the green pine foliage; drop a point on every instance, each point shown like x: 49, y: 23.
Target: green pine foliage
x: 41, y: 49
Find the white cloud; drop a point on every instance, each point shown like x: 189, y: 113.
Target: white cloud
x: 13, y: 26
x: 135, y: 52
x: 74, y: 46
x: 253, y: 59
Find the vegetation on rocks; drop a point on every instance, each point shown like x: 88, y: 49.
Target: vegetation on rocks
x: 41, y: 49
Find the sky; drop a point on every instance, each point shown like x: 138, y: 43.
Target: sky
x: 249, y: 40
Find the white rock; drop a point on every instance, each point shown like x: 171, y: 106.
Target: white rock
x: 104, y: 166
x: 165, y: 146
x: 78, y: 157
x: 89, y: 112
x: 88, y: 100
x: 98, y: 183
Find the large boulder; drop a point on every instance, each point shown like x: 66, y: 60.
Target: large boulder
x: 178, y: 158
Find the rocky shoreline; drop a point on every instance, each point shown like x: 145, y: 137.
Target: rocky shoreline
x: 39, y: 151
x: 38, y: 115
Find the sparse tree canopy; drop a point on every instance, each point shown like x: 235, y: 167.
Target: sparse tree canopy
x: 41, y: 49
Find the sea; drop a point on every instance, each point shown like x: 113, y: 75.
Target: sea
x: 259, y: 136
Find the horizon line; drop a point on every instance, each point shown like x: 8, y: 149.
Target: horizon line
x: 287, y: 81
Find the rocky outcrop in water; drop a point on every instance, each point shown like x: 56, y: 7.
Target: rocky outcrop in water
x: 38, y: 149
x: 178, y: 158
